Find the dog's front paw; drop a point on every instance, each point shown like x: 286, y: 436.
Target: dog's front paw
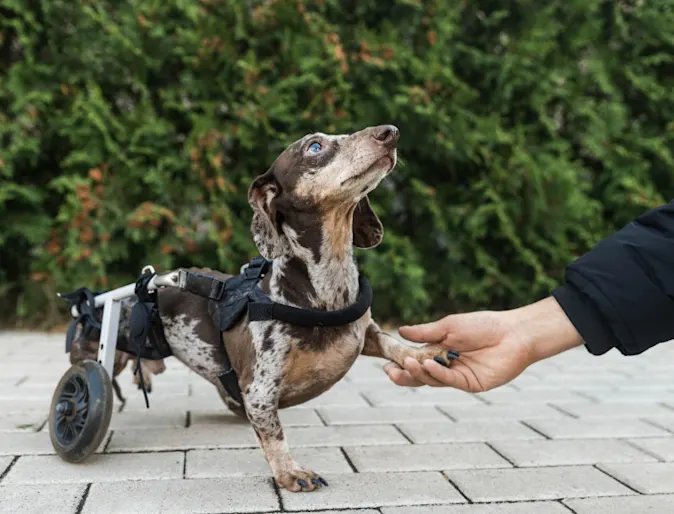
x: 439, y: 354
x: 446, y: 358
x: 300, y: 480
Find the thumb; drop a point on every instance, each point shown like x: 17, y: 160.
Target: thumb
x: 433, y: 332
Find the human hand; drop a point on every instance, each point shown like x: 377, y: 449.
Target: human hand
x: 494, y: 346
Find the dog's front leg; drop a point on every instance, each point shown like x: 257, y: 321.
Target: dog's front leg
x: 380, y: 344
x: 261, y: 399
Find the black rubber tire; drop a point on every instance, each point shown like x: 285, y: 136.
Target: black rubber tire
x: 85, y: 389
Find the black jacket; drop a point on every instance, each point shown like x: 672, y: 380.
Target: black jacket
x: 621, y: 293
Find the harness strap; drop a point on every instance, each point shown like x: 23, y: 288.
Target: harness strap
x: 201, y: 285
x: 83, y: 299
x: 213, y: 288
x: 228, y: 377
x: 261, y: 311
x: 144, y: 317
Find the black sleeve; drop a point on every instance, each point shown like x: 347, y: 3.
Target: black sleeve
x: 621, y: 293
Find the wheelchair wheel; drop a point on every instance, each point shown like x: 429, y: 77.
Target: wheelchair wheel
x: 80, y: 413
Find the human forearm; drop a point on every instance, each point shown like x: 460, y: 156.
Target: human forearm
x: 544, y: 329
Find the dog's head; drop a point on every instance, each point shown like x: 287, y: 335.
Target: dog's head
x: 317, y: 188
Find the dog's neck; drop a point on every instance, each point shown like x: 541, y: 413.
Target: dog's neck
x: 320, y: 272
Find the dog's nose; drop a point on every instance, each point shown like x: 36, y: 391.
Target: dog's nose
x: 387, y: 134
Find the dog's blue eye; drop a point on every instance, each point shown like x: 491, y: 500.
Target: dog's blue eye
x: 315, y: 147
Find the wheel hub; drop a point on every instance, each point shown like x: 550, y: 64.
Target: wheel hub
x: 72, y: 410
x: 66, y: 408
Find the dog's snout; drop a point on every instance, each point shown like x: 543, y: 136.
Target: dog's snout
x: 386, y: 134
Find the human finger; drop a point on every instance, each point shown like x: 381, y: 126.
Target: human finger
x: 418, y: 373
x: 400, y: 377
x: 433, y: 332
x: 449, y: 377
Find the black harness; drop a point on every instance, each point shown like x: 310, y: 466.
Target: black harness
x: 229, y: 301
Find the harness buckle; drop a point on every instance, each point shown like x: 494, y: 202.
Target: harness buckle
x: 182, y: 279
x: 256, y: 268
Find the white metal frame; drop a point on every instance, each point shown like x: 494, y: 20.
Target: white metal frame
x: 111, y: 303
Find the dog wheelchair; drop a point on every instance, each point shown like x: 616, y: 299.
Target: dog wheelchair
x: 81, y: 406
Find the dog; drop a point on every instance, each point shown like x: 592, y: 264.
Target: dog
x: 310, y: 209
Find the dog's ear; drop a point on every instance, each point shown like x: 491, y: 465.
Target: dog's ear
x: 262, y: 196
x: 367, y: 229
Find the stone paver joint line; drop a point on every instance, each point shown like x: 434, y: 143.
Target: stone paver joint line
x: 83, y: 500
x: 616, y: 479
x: 6, y: 471
x: 348, y: 459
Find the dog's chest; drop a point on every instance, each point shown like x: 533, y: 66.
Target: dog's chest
x: 310, y: 370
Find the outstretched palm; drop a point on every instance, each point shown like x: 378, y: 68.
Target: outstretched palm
x: 490, y: 353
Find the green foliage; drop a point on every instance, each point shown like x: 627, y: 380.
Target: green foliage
x: 130, y: 131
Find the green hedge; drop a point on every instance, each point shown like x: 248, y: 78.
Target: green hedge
x: 130, y: 131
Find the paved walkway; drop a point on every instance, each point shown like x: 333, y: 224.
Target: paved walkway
x: 574, y: 434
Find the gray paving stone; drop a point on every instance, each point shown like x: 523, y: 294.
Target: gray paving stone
x: 4, y: 463
x: 500, y: 396
x: 48, y: 469
x: 126, y: 420
x: 571, y: 378
x: 221, y: 463
x: 635, y: 396
x: 566, y: 452
x: 659, y: 385
x: 614, y: 410
x: 376, y: 490
x: 347, y: 511
x: 662, y: 447
x: 595, y: 428
x: 200, y: 437
x: 449, y: 396
x: 289, y: 417
x: 197, y: 496
x: 665, y: 422
x: 578, y: 385
x: 166, y: 384
x: 174, y: 403
x: 466, y: 431
x: 652, y: 504
x: 499, y: 412
x: 38, y: 499
x: 18, y: 405
x: 406, y: 396
x: 493, y: 485
x: 22, y: 421
x: 540, y: 507
x: 344, y: 435
x: 28, y: 443
x: 628, y: 393
x: 379, y: 415
x: 647, y: 478
x: 425, y: 457
x: 7, y: 382
x: 336, y: 398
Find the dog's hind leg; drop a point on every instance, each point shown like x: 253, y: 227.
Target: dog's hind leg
x: 148, y: 368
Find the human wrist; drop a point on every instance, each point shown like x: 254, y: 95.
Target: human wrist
x: 544, y: 330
